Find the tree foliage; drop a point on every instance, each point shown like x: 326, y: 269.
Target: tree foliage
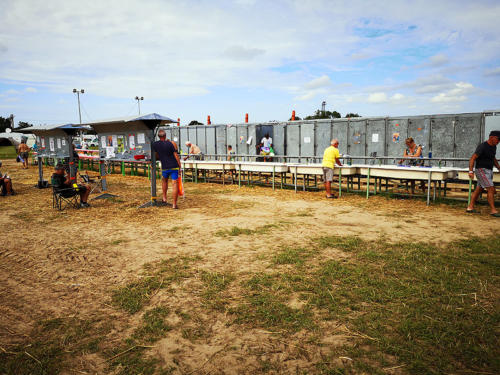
x: 4, y: 123
x: 194, y: 122
x: 323, y: 115
x: 349, y: 115
x: 296, y: 118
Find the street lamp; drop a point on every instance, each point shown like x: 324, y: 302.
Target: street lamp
x: 139, y: 102
x: 78, y: 92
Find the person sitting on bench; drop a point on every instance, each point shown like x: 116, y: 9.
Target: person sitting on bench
x: 61, y: 181
x: 5, y: 184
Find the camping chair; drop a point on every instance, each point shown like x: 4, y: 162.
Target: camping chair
x: 93, y: 181
x: 67, y: 197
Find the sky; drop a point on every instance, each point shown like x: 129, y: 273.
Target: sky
x: 222, y: 58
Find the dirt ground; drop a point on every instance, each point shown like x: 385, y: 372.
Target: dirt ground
x: 65, y: 264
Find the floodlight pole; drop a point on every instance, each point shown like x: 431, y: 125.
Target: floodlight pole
x: 78, y: 92
x: 139, y: 102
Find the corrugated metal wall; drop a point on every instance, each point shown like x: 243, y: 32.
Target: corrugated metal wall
x: 445, y: 136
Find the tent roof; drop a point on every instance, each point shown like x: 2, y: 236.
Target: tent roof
x: 31, y: 129
x: 148, y: 117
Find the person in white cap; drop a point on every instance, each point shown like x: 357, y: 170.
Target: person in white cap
x: 193, y: 150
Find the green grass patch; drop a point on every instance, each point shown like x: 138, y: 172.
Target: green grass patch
x: 215, y: 283
x: 237, y: 231
x: 291, y: 255
x: 52, y: 344
x: 160, y: 275
x: 130, y: 357
x: 433, y: 308
x: 8, y: 152
x: 266, y: 297
x: 154, y: 326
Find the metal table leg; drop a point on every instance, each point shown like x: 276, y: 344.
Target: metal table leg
x: 368, y: 184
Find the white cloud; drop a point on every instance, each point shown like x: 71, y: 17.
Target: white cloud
x: 31, y: 89
x: 456, y: 94
x: 194, y: 48
x: 397, y: 97
x: 492, y: 72
x: 377, y: 97
x: 436, y: 61
x: 242, y: 53
x: 307, y: 96
x: 323, y: 81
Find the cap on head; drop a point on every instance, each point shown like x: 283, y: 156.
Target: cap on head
x: 188, y: 143
x: 495, y: 133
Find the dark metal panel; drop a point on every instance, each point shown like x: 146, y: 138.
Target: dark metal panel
x: 442, y: 136
x: 220, y: 132
x: 232, y: 138
x: 397, y: 132
x: 339, y: 131
x: 210, y: 136
x: 375, y: 137
x: 307, y: 139
x: 184, y: 137
x: 261, y: 130
x: 323, y: 136
x: 293, y: 141
x: 356, y: 140
x: 252, y: 137
x: 192, y: 135
x: 279, y: 138
x: 201, y: 139
x: 467, y: 137
x: 492, y: 122
x: 242, y: 137
x: 419, y: 129
x: 175, y: 135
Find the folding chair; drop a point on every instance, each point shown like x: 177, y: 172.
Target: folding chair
x: 93, y: 181
x: 63, y: 198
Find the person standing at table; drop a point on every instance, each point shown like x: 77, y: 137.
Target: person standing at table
x: 413, y: 152
x: 167, y: 153
x: 193, y: 150
x: 484, y: 159
x: 331, y: 157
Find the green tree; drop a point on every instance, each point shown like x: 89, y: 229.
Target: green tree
x: 352, y: 115
x: 4, y: 123
x: 323, y: 115
x: 194, y: 122
x: 296, y: 118
x: 23, y: 124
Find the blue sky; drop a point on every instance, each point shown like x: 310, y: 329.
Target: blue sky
x: 196, y: 58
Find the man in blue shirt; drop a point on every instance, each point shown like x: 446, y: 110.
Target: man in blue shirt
x: 167, y: 152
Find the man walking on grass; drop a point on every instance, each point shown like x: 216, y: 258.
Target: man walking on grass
x: 484, y: 159
x: 167, y: 153
x: 330, y: 158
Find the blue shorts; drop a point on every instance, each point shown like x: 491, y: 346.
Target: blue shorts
x: 173, y: 173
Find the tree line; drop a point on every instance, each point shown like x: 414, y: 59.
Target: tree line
x: 5, y: 123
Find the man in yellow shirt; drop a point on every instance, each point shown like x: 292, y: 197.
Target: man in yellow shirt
x: 331, y: 157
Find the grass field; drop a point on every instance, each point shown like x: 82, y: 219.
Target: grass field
x: 7, y: 152
x: 312, y: 287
